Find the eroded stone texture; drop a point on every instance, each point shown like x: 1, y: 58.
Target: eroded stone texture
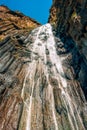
x: 42, y: 80
x: 14, y: 22
x: 70, y: 17
x: 39, y: 88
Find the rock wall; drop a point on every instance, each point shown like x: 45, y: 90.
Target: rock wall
x: 70, y: 17
x: 13, y: 23
x: 39, y: 89
x: 43, y: 82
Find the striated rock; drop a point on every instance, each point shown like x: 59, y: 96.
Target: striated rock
x: 39, y: 88
x: 14, y: 23
x: 70, y: 17
x: 43, y: 82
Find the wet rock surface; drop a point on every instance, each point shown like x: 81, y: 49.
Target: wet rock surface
x: 39, y: 83
x: 43, y: 82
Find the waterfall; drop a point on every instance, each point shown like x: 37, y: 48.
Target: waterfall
x: 53, y: 107
x: 44, y: 52
x: 43, y: 70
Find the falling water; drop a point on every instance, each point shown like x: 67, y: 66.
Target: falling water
x: 53, y: 106
x: 45, y: 41
x: 55, y: 59
x: 28, y: 125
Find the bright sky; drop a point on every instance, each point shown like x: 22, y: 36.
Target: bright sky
x: 37, y: 9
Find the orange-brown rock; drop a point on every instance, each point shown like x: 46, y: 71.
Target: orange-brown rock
x: 13, y: 25
x: 12, y: 22
x: 43, y: 76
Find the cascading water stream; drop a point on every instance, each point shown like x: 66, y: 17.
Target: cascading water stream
x: 29, y: 106
x: 43, y: 72
x: 58, y: 63
x: 53, y: 107
x: 55, y: 59
x: 28, y: 124
x: 44, y: 50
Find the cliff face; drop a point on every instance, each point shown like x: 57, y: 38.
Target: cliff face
x: 13, y: 23
x: 70, y: 18
x: 43, y: 82
x: 39, y: 88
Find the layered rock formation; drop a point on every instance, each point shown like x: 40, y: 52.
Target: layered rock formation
x: 70, y: 18
x: 42, y: 76
x: 13, y: 23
